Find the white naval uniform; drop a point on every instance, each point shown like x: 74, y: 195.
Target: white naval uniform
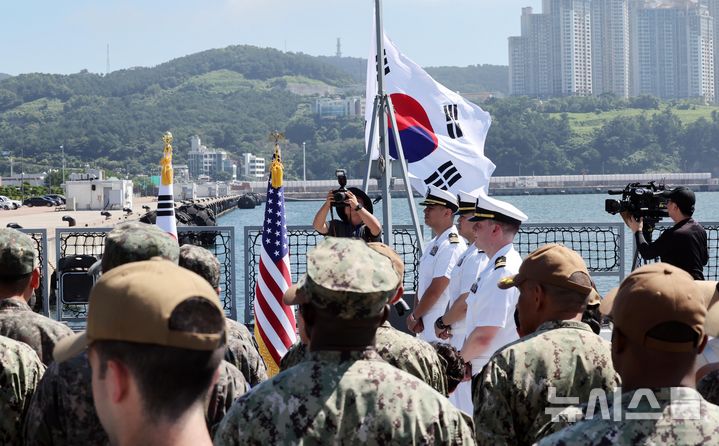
x: 438, y: 260
x: 464, y: 274
x: 490, y: 306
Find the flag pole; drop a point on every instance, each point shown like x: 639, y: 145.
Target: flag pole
x: 370, y: 142
x: 405, y: 177
x: 382, y: 122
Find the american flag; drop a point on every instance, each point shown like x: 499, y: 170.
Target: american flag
x: 274, y: 321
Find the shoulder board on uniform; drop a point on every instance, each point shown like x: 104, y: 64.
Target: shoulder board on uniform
x: 501, y: 262
x: 453, y: 238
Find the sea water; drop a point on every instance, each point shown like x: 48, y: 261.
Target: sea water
x: 581, y: 208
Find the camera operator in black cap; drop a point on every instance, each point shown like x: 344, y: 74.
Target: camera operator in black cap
x: 355, y: 213
x: 684, y: 245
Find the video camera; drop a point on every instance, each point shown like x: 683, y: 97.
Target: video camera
x: 641, y: 201
x: 340, y: 195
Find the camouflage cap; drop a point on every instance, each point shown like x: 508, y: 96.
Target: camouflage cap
x: 347, y: 278
x: 201, y: 261
x: 134, y: 242
x: 17, y: 253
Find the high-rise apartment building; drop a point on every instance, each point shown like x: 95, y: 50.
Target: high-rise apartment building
x: 713, y: 7
x: 676, y: 50
x: 610, y: 47
x: 664, y: 48
x: 529, y: 54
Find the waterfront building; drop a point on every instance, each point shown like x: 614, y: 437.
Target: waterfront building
x: 253, y: 167
x: 204, y: 161
x: 333, y: 108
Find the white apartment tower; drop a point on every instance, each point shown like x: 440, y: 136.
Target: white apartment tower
x: 529, y: 56
x: 713, y: 6
x: 571, y: 45
x: 610, y: 47
x: 676, y: 50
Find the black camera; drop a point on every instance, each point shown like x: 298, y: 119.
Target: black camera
x: 340, y: 195
x: 640, y: 200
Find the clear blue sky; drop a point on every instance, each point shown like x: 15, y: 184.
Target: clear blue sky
x: 66, y: 36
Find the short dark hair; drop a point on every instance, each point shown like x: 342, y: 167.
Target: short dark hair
x: 13, y: 285
x: 170, y: 379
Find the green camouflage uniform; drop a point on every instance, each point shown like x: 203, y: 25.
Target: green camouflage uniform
x: 511, y: 394
x: 345, y: 397
x: 405, y: 352
x: 242, y: 350
x: 243, y: 353
x: 20, y: 371
x: 708, y: 386
x: 682, y: 418
x: 62, y: 411
x: 17, y: 320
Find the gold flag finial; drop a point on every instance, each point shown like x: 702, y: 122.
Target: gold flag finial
x: 276, y: 168
x: 166, y: 161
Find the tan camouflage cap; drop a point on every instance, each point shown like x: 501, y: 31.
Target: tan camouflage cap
x: 347, y: 278
x: 134, y: 242
x: 201, y: 261
x: 17, y: 253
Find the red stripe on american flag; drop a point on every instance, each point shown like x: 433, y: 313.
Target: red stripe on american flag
x: 270, y: 348
x: 272, y: 318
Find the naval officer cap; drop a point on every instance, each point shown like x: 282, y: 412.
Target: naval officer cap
x: 440, y: 197
x: 466, y: 203
x: 488, y: 208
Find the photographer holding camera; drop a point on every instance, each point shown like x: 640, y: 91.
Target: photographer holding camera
x: 356, y: 219
x: 684, y: 245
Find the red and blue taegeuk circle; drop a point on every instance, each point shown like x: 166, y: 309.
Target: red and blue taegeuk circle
x: 415, y: 131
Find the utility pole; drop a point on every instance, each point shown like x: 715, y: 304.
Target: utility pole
x: 62, y: 180
x: 304, y: 166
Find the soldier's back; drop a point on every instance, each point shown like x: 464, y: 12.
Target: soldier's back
x: 512, y: 393
x: 20, y: 372
x: 408, y: 353
x: 242, y: 352
x: 344, y: 398
x: 676, y: 416
x: 411, y: 354
x: 19, y: 322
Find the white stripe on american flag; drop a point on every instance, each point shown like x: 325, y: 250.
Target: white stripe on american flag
x: 273, y: 302
x: 272, y: 336
x: 274, y: 272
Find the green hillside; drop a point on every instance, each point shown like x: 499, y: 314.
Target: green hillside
x: 234, y: 97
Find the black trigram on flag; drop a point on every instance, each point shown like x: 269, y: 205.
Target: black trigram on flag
x: 453, y: 129
x: 444, y: 177
x: 386, y: 63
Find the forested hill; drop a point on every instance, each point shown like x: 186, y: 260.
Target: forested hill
x: 4, y: 76
x: 232, y: 97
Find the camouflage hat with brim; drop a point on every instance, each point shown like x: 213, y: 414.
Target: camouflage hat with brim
x: 345, y: 278
x: 201, y: 261
x: 17, y: 253
x: 135, y: 242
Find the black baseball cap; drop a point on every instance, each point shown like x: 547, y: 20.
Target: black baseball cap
x: 683, y: 197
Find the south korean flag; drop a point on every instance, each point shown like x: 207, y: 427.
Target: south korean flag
x: 442, y: 133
